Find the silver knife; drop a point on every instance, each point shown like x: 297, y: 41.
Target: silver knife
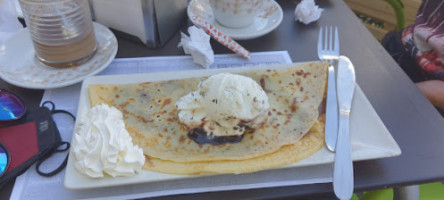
x: 343, y: 167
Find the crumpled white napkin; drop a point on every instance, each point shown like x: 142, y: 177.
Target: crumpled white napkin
x: 307, y: 11
x: 9, y: 23
x: 198, y: 45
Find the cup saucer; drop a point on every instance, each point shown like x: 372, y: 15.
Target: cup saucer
x: 268, y: 18
x: 19, y: 65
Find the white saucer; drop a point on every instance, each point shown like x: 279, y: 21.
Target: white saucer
x: 20, y: 67
x: 268, y: 18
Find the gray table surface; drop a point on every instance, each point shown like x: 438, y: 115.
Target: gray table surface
x: 414, y: 123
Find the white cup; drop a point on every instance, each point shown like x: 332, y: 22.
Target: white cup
x: 235, y: 13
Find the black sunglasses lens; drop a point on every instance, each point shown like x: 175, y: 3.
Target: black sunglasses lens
x: 11, y: 107
x: 4, y: 160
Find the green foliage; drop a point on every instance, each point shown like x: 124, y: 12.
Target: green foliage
x: 371, y: 21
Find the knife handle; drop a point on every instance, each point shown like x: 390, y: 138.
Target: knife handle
x: 343, y: 167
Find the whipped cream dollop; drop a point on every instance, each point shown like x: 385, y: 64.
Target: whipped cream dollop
x: 307, y: 11
x: 198, y: 45
x: 104, y: 146
x: 224, y: 105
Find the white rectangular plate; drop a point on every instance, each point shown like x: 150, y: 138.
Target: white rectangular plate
x: 369, y: 137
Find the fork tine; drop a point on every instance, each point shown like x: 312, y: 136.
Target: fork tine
x: 320, y: 41
x: 336, y: 47
x: 325, y: 34
x: 330, y: 39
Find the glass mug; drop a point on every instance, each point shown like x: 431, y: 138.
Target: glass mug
x: 61, y: 30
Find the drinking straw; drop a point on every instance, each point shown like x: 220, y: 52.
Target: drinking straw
x: 221, y: 37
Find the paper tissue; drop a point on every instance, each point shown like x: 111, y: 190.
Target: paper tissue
x: 198, y: 46
x: 154, y: 22
x: 307, y: 11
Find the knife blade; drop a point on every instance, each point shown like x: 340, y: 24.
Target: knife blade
x: 343, y: 168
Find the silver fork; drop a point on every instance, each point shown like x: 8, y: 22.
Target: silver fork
x: 328, y: 50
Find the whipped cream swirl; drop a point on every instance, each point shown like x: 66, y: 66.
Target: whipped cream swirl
x: 104, y: 146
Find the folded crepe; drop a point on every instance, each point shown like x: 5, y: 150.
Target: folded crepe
x: 293, y: 131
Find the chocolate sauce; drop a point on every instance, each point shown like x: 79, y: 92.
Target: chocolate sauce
x: 322, y: 106
x: 200, y: 136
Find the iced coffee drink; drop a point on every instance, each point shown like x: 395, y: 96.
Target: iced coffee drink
x: 62, y: 31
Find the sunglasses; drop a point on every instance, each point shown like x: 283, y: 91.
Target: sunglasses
x: 12, y: 108
x: 5, y: 159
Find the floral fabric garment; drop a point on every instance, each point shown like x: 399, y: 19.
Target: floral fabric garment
x: 424, y: 40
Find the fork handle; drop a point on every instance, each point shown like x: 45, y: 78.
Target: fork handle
x: 331, y: 111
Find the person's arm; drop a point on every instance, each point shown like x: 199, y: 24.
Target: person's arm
x: 434, y: 91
